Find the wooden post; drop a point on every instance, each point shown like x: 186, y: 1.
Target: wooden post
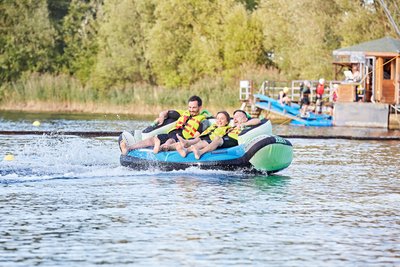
x: 378, y: 78
x: 397, y: 81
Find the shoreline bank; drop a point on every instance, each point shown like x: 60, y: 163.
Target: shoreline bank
x: 89, y: 108
x: 98, y: 108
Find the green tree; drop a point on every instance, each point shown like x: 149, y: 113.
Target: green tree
x: 242, y: 40
x: 302, y: 34
x: 122, y: 43
x: 26, y: 38
x: 193, y: 39
x: 57, y: 11
x: 299, y: 36
x: 170, y: 40
x: 80, y: 38
x: 205, y: 55
x: 250, y: 5
x: 361, y: 21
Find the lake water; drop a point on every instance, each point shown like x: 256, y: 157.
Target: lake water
x: 66, y: 201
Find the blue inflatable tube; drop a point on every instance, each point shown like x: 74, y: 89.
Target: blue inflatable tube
x: 258, y: 151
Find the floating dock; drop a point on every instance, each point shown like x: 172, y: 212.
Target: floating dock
x: 291, y: 112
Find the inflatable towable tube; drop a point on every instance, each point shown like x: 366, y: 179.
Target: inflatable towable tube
x: 258, y: 150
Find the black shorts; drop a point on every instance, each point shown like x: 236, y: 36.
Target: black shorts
x: 305, y: 101
x: 171, y: 135
x: 228, y: 142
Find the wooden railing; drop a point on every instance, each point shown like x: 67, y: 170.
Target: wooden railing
x: 272, y: 89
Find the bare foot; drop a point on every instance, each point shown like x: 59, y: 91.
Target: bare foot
x: 157, y: 144
x: 181, y: 140
x: 181, y: 150
x: 123, y: 147
x: 196, y: 152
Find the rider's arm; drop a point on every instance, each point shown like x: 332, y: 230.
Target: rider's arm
x: 161, y: 117
x: 252, y: 122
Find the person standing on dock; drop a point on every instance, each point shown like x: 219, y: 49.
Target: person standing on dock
x: 305, y: 99
x: 333, y: 95
x: 356, y: 78
x: 320, y: 92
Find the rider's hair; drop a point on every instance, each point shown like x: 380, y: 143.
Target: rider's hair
x: 228, y: 118
x: 196, y: 98
x: 244, y: 112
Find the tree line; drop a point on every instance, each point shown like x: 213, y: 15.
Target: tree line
x: 106, y: 46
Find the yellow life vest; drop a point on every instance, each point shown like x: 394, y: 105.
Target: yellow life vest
x: 188, y: 124
x: 214, y: 131
x: 234, y: 132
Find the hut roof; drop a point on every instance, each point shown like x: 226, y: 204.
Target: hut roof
x: 383, y: 45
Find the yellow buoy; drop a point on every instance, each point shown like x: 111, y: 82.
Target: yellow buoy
x: 9, y: 157
x: 36, y: 123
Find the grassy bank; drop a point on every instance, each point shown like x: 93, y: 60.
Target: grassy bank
x: 35, y: 92
x: 46, y: 93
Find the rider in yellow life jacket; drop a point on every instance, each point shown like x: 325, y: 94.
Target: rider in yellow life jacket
x: 240, y: 120
x: 187, y: 125
x: 234, y: 132
x: 216, y: 130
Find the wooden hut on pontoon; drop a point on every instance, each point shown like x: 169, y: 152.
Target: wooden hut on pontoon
x: 371, y: 83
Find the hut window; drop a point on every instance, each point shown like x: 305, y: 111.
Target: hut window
x: 387, y: 69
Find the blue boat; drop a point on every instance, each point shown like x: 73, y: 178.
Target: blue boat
x: 292, y: 112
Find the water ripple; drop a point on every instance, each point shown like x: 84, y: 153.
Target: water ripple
x: 66, y: 201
